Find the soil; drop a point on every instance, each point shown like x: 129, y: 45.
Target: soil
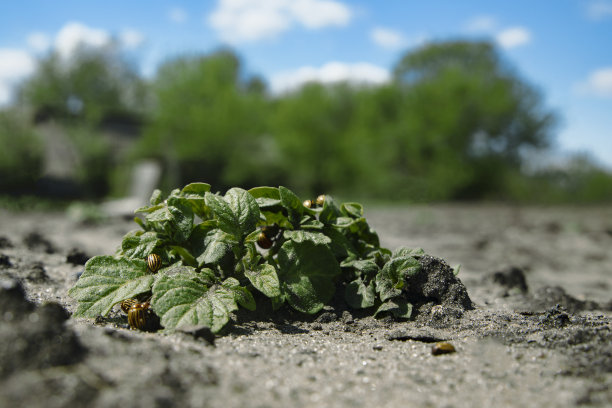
x: 535, y: 330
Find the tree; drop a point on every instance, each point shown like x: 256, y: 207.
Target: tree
x: 311, y: 127
x: 21, y: 156
x: 207, y: 115
x: 468, y: 109
x: 93, y: 84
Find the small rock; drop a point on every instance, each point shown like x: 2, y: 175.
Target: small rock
x: 549, y: 296
x: 77, y: 257
x: 511, y: 279
x: 5, y: 261
x: 36, y: 242
x: 556, y: 317
x: 199, y: 332
x: 326, y: 317
x: 37, y: 273
x: 34, y: 338
x: 13, y: 301
x: 5, y: 242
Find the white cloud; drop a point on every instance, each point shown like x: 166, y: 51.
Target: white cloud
x: 481, y: 24
x: 74, y: 34
x: 177, y: 15
x: 598, y: 83
x: 316, y: 14
x: 359, y: 73
x: 393, y: 39
x: 131, y: 38
x: 15, y: 64
x: 38, y: 41
x: 251, y: 20
x: 599, y: 10
x: 387, y: 38
x: 513, y: 37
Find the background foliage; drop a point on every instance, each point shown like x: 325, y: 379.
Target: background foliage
x: 456, y: 122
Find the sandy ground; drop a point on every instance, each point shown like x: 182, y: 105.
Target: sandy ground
x: 539, y: 335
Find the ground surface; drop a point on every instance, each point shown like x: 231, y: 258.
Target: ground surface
x: 539, y: 335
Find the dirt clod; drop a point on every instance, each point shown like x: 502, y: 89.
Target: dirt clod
x: 77, y: 257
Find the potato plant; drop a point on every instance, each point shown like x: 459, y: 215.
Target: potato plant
x: 217, y: 251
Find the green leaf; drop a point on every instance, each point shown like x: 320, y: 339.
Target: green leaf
x: 184, y: 254
x: 175, y: 221
x: 359, y: 295
x: 265, y: 279
x: 354, y: 210
x: 186, y: 300
x: 330, y: 211
x: 138, y: 244
x: 217, y: 246
x: 292, y: 204
x: 266, y: 196
x: 405, y: 251
x: 241, y: 294
x: 390, y: 280
x: 237, y: 212
x: 195, y: 190
x: 306, y: 273
x: 149, y: 208
x: 398, y: 307
x: 107, y: 281
x: 192, y: 195
x: 299, y: 236
x: 156, y: 197
x: 456, y: 269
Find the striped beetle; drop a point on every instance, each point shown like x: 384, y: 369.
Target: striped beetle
x: 141, y: 317
x: 154, y: 262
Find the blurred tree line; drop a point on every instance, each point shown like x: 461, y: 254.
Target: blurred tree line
x: 456, y: 122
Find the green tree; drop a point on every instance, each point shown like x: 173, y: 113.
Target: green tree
x: 469, y: 117
x: 92, y: 84
x: 208, y: 120
x: 311, y: 130
x: 21, y: 156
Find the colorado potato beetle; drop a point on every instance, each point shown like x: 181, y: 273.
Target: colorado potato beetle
x: 127, y: 304
x: 141, y: 317
x: 442, y: 348
x: 308, y: 203
x: 154, y: 262
x: 320, y: 200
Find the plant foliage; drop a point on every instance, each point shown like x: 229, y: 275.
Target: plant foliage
x: 214, y: 261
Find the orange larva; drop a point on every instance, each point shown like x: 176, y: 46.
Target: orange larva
x: 442, y: 348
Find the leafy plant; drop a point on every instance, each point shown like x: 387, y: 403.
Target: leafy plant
x: 214, y: 261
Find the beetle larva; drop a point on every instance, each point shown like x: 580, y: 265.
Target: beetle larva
x: 154, y: 262
x: 263, y: 241
x: 442, y: 348
x: 268, y: 235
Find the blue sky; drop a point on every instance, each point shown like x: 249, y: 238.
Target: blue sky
x: 564, y: 47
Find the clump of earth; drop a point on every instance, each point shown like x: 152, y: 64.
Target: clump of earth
x: 528, y: 318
